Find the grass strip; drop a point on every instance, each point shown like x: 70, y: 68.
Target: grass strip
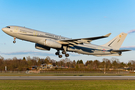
x: 67, y: 84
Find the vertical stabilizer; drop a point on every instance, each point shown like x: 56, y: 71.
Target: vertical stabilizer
x: 116, y: 42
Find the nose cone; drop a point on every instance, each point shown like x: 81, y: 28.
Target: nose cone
x: 4, y: 29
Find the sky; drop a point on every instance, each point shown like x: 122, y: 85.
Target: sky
x: 68, y: 18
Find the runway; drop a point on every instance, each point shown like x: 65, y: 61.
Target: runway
x: 67, y: 77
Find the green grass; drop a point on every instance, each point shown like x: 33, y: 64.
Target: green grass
x: 66, y: 74
x: 67, y: 84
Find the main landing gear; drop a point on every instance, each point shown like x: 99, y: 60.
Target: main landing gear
x: 58, y: 53
x: 66, y: 55
x: 63, y: 52
x: 14, y: 40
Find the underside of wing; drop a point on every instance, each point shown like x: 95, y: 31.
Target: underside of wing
x: 81, y: 40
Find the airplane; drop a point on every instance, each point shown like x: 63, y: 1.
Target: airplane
x: 46, y: 41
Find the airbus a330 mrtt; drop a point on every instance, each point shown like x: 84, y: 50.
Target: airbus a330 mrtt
x: 46, y: 41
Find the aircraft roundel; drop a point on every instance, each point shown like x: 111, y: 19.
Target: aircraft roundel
x: 103, y: 50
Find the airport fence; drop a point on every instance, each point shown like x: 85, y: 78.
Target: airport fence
x: 110, y: 72
x: 13, y: 71
x: 121, y: 72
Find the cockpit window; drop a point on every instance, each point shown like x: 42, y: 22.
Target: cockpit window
x: 8, y: 27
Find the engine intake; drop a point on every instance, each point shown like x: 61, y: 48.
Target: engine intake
x: 41, y: 47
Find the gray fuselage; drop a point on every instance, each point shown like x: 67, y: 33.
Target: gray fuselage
x: 38, y: 36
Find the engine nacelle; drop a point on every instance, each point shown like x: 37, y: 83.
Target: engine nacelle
x: 50, y: 43
x: 41, y: 47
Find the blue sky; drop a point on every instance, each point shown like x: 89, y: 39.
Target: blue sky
x: 69, y: 18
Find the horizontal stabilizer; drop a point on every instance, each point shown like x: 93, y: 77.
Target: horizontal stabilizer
x: 120, y: 50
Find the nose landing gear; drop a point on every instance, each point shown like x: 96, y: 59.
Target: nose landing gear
x: 14, y: 40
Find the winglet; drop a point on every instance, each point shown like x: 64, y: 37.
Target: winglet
x: 107, y: 35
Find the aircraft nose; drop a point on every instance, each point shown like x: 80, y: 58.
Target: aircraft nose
x: 4, y: 29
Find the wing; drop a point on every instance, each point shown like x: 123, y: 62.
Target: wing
x: 72, y: 42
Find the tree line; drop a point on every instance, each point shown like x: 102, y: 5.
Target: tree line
x: 26, y: 63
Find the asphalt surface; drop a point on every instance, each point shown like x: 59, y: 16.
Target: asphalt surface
x: 67, y: 77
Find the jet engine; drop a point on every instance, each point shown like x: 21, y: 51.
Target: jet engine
x: 50, y: 43
x: 41, y: 47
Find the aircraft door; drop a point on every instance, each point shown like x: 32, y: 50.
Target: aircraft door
x: 16, y: 29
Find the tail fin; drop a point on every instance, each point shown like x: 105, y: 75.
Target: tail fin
x: 116, y: 42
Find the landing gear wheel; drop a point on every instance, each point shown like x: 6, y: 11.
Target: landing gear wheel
x: 60, y: 56
x: 57, y: 53
x: 14, y: 41
x: 63, y: 52
x: 66, y: 55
